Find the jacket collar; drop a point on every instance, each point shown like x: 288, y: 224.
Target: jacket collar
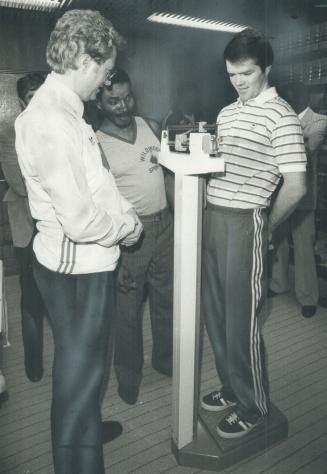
x: 61, y: 94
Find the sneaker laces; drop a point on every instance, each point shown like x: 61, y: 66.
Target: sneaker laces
x: 216, y: 395
x: 232, y: 418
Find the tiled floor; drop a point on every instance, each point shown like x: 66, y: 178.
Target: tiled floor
x: 297, y: 349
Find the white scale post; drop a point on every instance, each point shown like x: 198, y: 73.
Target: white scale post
x: 188, y: 169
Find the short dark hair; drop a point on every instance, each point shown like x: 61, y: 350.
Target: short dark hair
x: 119, y: 76
x: 250, y: 44
x: 30, y: 82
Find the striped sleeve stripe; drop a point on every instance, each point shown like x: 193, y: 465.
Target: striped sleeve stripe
x: 289, y: 144
x: 262, y: 192
x: 235, y: 181
x: 294, y: 153
x: 275, y: 111
x: 251, y: 150
x: 223, y: 188
x: 242, y: 203
x: 68, y: 256
x: 278, y: 137
x: 227, y: 123
x: 259, y: 115
x: 247, y: 193
x: 254, y: 168
x: 257, y: 177
x: 276, y: 106
x: 288, y: 125
x: 255, y: 132
x: 294, y: 163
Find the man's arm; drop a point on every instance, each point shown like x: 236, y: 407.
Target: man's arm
x: 168, y: 175
x: 155, y: 127
x: 290, y: 194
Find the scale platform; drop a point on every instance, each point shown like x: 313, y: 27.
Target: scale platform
x: 210, y: 452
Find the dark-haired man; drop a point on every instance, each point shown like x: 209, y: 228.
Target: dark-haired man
x: 260, y: 138
x: 22, y: 231
x: 131, y: 145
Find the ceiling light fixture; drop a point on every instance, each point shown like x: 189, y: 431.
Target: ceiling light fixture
x: 193, y: 22
x: 41, y: 5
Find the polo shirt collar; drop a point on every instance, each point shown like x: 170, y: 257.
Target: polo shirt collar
x: 70, y: 100
x: 263, y: 97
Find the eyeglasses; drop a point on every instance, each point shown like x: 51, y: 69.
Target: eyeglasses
x: 109, y: 76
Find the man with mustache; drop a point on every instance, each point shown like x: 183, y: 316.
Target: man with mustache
x: 131, y: 145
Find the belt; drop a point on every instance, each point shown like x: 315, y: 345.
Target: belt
x: 156, y: 216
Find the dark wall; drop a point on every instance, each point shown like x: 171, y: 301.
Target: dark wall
x: 156, y: 63
x: 23, y: 39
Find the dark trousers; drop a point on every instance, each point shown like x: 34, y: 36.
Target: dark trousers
x: 32, y: 313
x: 80, y: 309
x: 150, y: 265
x: 301, y: 224
x: 233, y: 290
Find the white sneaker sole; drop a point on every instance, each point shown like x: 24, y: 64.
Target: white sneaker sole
x: 217, y: 409
x: 222, y: 434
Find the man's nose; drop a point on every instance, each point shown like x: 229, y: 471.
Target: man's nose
x: 122, y: 105
x: 239, y: 80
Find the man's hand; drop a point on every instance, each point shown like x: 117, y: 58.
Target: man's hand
x: 134, y: 236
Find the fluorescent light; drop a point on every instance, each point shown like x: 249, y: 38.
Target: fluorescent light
x: 43, y: 5
x: 193, y: 22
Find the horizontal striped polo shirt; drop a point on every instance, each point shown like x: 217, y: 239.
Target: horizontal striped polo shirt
x: 259, y: 140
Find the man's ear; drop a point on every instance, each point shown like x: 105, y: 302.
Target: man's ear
x: 84, y: 60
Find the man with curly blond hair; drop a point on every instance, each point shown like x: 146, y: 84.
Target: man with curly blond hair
x: 81, y: 220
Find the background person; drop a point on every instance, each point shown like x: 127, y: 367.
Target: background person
x: 22, y: 230
x: 131, y: 145
x: 81, y: 218
x: 301, y: 224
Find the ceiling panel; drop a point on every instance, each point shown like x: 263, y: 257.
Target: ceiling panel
x: 129, y: 16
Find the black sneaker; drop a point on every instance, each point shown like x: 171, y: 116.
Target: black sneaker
x: 215, y: 401
x: 232, y: 426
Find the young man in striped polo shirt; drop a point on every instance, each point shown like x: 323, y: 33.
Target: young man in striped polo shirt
x: 260, y: 138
